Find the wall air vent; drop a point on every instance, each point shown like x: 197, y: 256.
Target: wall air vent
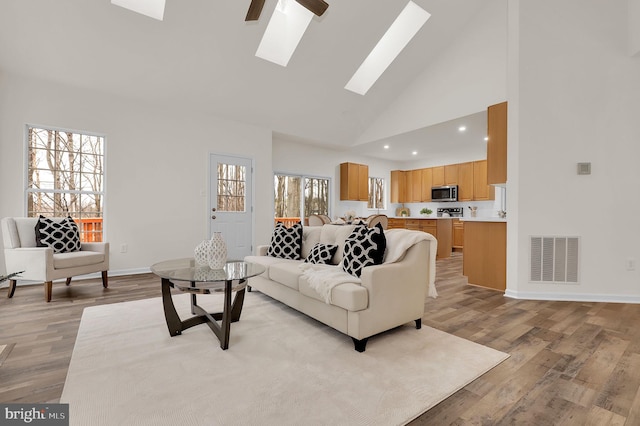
x: 554, y: 259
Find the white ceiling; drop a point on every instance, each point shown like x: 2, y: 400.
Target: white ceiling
x: 202, y: 55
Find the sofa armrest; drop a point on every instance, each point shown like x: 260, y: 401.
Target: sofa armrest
x: 262, y: 250
x: 37, y: 262
x: 397, y: 284
x: 97, y: 247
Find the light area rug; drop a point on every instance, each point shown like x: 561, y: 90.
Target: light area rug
x: 281, y: 368
x: 4, y: 351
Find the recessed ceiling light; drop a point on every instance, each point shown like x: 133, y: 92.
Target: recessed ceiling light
x: 151, y: 8
x: 284, y: 31
x: 386, y: 147
x: 462, y: 128
x: 399, y: 34
x: 486, y: 138
x: 414, y: 153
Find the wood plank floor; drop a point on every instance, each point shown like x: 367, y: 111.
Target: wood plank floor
x: 571, y: 363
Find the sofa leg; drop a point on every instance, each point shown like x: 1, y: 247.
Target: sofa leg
x: 419, y: 323
x: 249, y: 288
x: 105, y: 279
x: 48, y: 287
x: 12, y: 288
x: 359, y: 345
x: 68, y: 281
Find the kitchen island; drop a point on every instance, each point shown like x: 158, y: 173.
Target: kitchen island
x: 439, y: 227
x: 485, y: 252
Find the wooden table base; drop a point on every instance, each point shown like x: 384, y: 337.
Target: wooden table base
x: 230, y: 312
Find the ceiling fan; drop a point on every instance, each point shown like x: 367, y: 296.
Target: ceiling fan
x: 316, y: 6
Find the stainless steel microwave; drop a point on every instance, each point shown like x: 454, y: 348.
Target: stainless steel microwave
x: 444, y: 193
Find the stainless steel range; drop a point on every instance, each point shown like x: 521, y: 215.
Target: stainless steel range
x: 451, y: 211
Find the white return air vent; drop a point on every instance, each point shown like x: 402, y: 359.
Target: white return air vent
x: 554, y: 259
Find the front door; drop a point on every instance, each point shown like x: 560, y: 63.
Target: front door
x: 230, y: 203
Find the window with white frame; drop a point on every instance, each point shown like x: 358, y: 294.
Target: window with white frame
x: 376, y: 193
x: 65, y: 177
x: 297, y: 197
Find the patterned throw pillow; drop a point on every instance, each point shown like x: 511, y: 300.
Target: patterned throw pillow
x: 286, y: 243
x: 62, y: 236
x: 322, y: 253
x: 365, y: 246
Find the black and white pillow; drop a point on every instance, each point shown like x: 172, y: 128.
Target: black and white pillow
x: 321, y: 253
x: 365, y: 246
x: 62, y: 236
x: 286, y: 243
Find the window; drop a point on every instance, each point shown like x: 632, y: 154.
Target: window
x: 376, y: 193
x: 299, y: 196
x: 231, y: 187
x: 65, y: 175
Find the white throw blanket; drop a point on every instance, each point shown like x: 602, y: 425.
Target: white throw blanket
x: 323, y: 278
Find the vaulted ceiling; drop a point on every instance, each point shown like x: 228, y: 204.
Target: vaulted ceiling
x: 203, y: 55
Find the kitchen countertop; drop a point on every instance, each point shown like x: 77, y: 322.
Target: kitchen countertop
x: 422, y: 217
x: 483, y: 219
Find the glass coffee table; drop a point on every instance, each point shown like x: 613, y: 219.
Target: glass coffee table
x: 185, y: 275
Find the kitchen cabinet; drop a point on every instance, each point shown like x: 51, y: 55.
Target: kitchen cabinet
x: 416, y: 186
x: 485, y: 254
x: 427, y: 183
x: 354, y: 182
x: 458, y: 235
x: 481, y: 189
x: 395, y: 223
x: 465, y: 181
x: 451, y: 174
x: 497, y: 144
x: 441, y: 229
x: 398, y: 186
x: 438, y: 175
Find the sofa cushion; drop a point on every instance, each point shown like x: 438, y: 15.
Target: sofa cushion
x: 268, y: 261
x: 322, y: 253
x: 365, y: 246
x: 286, y: 243
x: 350, y: 296
x: 62, y: 236
x: 286, y: 273
x: 310, y: 237
x: 336, y: 234
x: 76, y: 259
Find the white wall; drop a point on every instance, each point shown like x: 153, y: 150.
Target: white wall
x: 466, y: 78
x: 298, y: 158
x: 634, y: 27
x: 156, y: 164
x: 574, y: 96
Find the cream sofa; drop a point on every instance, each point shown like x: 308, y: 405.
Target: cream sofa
x: 384, y: 297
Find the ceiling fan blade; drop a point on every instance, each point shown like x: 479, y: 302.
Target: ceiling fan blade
x: 316, y: 6
x: 255, y: 8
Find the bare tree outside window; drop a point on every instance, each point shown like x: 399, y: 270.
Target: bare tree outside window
x: 376, y: 193
x: 65, y: 178
x: 296, y: 197
x: 232, y: 180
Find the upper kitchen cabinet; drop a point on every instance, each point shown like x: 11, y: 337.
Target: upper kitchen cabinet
x: 416, y: 186
x: 497, y: 144
x: 438, y: 176
x: 451, y: 174
x: 354, y: 182
x: 399, y: 186
x: 427, y: 183
x: 465, y: 181
x: 481, y: 189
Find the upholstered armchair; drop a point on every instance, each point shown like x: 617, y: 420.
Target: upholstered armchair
x: 374, y: 219
x: 318, y: 219
x: 40, y: 263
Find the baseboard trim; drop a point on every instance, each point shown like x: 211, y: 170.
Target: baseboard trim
x: 572, y: 297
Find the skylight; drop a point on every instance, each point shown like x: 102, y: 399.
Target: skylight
x: 284, y: 31
x: 151, y: 8
x: 399, y: 34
